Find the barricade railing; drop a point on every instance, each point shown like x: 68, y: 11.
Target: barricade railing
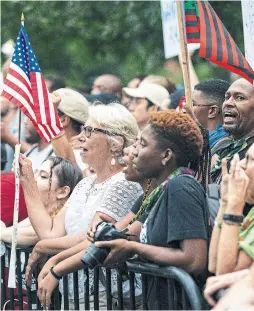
x: 102, y: 288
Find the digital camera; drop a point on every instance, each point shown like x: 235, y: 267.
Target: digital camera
x: 94, y: 255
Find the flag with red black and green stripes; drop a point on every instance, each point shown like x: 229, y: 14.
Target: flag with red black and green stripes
x: 216, y: 44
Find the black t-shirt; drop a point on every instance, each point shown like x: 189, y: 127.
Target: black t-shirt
x: 178, y: 215
x: 135, y: 208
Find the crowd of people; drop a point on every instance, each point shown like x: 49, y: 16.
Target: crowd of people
x: 139, y: 158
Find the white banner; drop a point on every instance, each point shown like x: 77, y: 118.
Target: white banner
x: 170, y: 29
x: 248, y: 29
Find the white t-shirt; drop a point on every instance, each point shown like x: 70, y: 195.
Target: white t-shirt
x: 114, y: 197
x: 38, y: 156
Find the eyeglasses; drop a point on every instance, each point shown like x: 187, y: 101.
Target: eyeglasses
x: 88, y: 130
x: 132, y: 100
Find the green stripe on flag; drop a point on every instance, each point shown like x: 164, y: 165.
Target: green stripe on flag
x: 191, y: 5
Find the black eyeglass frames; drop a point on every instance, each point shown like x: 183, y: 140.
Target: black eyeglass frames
x: 88, y: 130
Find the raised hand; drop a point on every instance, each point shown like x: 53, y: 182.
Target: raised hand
x: 238, y: 183
x: 26, y: 169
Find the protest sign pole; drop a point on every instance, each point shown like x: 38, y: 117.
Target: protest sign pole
x: 184, y: 54
x: 12, y: 268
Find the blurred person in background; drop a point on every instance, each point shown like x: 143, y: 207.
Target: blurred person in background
x: 72, y: 108
x: 174, y: 101
x: 146, y: 98
x: 72, y: 111
x: 134, y: 82
x: 3, y: 156
x: 160, y: 80
x: 55, y: 83
x: 5, y: 68
x: 40, y: 150
x: 104, y: 98
x: 9, y: 130
x: 107, y: 83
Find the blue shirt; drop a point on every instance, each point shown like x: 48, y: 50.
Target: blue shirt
x: 216, y: 135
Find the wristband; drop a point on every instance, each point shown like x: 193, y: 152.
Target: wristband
x: 233, y: 218
x: 54, y: 274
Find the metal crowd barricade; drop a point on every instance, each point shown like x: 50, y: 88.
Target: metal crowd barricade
x: 181, y: 287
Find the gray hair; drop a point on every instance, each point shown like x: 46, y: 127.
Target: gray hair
x: 115, y: 118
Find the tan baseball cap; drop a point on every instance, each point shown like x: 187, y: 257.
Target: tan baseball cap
x: 73, y: 104
x: 153, y: 92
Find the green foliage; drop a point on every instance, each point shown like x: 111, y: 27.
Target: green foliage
x: 82, y: 39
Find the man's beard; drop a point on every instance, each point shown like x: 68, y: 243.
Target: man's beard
x: 234, y: 131
x: 33, y: 138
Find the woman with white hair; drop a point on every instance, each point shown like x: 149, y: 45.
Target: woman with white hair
x: 108, y: 130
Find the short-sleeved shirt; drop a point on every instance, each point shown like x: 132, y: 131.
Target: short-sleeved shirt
x: 216, y: 135
x: 113, y: 197
x: 135, y: 208
x: 38, y: 156
x: 178, y: 215
x: 246, y: 237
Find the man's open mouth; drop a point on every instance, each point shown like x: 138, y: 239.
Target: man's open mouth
x: 229, y: 117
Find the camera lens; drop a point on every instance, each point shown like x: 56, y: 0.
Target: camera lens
x: 94, y: 256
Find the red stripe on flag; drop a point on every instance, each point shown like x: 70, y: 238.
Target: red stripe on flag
x: 234, y: 69
x: 223, y: 41
x: 20, y: 91
x: 46, y: 130
x: 213, y: 33
x: 15, y: 74
x: 234, y: 51
x: 46, y: 101
x: 30, y: 93
x: 18, y: 103
x: 35, y: 97
x: 192, y: 29
x: 202, y: 27
x: 191, y: 18
x: 42, y: 133
x: 193, y: 40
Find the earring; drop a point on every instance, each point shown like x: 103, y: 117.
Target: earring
x: 113, y: 161
x: 163, y: 163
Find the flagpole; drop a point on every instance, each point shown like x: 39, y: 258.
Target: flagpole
x: 12, y: 268
x: 19, y: 126
x: 184, y: 54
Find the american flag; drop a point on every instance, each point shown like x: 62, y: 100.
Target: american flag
x: 26, y: 87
